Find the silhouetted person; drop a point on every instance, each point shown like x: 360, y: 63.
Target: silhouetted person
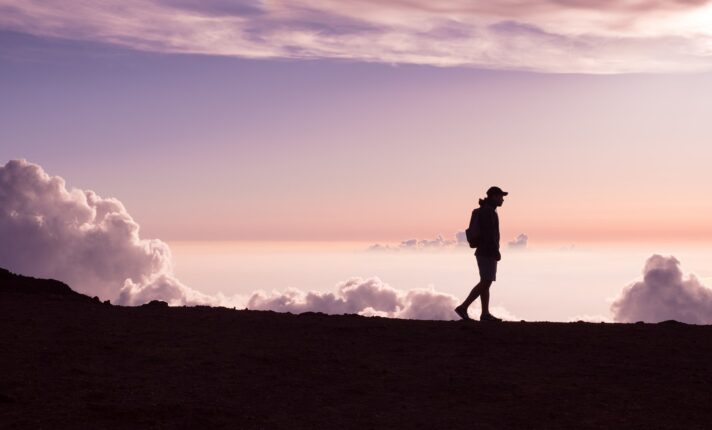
x: 487, y: 253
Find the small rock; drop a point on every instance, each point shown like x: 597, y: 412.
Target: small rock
x: 155, y: 304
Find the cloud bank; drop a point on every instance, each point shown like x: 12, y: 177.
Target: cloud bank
x: 78, y: 237
x: 93, y: 244
x: 370, y: 297
x: 664, y: 294
x: 572, y: 36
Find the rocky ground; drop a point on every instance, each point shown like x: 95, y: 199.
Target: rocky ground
x: 69, y: 361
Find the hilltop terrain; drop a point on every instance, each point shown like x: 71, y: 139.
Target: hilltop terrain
x: 70, y: 361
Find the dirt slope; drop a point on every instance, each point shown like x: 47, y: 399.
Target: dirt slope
x: 72, y: 362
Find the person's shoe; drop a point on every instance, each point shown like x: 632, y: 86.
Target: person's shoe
x: 462, y: 313
x: 489, y: 317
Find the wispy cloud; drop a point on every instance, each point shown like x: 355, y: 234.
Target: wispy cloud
x: 423, y: 244
x: 519, y: 242
x: 440, y: 242
x: 543, y: 35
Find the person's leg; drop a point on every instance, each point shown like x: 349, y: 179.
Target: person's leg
x: 488, y: 266
x: 480, y: 289
x: 484, y: 299
x: 487, y: 275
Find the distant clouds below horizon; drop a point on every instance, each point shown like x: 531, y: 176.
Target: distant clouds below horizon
x: 440, y: 242
x: 544, y: 35
x: 519, y: 242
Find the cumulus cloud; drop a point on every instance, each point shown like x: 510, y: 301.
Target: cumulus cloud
x: 87, y: 241
x: 664, y: 294
x: 519, y: 242
x: 543, y: 35
x: 370, y: 297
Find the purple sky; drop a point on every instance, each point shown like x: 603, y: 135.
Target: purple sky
x: 581, y: 36
x: 220, y: 147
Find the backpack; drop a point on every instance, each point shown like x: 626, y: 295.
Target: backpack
x: 473, y: 232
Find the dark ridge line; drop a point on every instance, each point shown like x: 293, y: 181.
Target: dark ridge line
x: 19, y: 284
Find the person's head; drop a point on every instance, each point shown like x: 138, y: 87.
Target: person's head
x: 496, y: 195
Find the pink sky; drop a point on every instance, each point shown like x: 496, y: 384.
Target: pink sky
x: 93, y: 244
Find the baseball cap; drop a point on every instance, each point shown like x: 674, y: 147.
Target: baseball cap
x: 496, y: 191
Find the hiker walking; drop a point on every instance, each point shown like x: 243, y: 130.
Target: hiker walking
x: 483, y: 234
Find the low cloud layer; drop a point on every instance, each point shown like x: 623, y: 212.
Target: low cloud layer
x: 369, y: 297
x: 664, y: 294
x: 543, y: 35
x: 440, y: 242
x: 519, y: 242
x: 423, y: 244
x: 93, y: 244
x: 87, y: 241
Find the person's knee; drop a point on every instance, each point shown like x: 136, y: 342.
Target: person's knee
x: 486, y: 284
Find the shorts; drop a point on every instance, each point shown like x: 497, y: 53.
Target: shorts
x: 488, y: 268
